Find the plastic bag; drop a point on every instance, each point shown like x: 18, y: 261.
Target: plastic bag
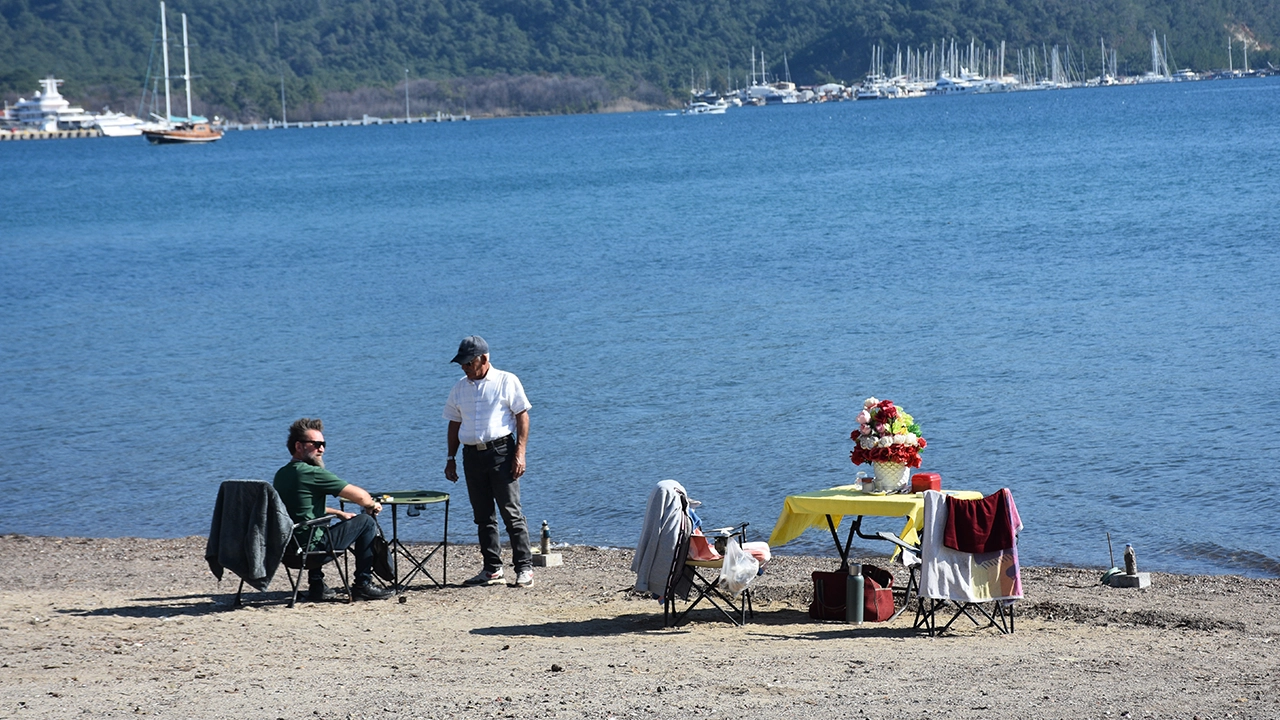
x: 738, y: 570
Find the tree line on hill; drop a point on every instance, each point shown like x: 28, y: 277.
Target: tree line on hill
x: 330, y: 57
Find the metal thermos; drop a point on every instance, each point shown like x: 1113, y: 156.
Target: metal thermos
x: 545, y: 545
x: 1130, y: 561
x: 853, y: 589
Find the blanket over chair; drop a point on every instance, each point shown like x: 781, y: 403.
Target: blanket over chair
x: 665, y: 523
x: 249, y: 532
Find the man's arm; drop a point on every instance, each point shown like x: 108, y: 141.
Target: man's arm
x: 522, y: 441
x: 451, y: 466
x: 359, y: 496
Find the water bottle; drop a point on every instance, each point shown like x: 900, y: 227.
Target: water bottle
x: 1130, y: 561
x: 853, y: 591
x: 545, y: 545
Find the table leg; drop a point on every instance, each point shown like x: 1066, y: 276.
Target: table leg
x: 395, y: 542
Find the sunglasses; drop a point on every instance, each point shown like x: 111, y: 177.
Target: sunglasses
x: 317, y: 443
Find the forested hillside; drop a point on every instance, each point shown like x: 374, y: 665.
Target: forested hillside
x: 329, y: 54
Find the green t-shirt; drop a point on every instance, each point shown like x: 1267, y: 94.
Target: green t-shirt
x: 303, y: 488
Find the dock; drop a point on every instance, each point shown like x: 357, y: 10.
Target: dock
x: 366, y: 120
x: 50, y: 134
x: 269, y: 125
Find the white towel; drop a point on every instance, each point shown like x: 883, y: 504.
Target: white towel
x: 947, y: 574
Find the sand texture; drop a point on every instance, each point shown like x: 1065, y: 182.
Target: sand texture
x: 127, y: 627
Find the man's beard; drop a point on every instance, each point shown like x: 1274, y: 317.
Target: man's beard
x: 314, y: 459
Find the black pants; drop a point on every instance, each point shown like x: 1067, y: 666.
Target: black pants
x: 489, y: 484
x: 359, y: 531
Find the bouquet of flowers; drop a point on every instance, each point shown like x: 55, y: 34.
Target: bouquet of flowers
x: 886, y: 434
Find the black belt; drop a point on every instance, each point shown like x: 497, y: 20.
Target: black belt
x: 491, y: 444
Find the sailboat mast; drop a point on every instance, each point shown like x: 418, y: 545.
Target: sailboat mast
x: 164, y: 41
x: 186, y: 65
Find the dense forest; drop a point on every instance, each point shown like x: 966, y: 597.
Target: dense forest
x: 338, y: 58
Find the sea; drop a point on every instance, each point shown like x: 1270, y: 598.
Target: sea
x: 1075, y: 293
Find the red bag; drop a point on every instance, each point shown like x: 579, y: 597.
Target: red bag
x: 829, y: 596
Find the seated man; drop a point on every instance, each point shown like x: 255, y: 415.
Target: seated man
x: 303, y: 485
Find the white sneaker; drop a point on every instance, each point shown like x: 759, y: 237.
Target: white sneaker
x: 485, y: 578
x: 524, y: 578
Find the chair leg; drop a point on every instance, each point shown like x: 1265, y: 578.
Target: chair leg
x: 913, y: 583
x: 237, y: 602
x: 295, y: 582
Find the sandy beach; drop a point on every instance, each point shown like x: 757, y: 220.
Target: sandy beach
x: 128, y: 627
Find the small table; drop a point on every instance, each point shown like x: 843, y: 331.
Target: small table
x: 801, y: 512
x: 413, y: 499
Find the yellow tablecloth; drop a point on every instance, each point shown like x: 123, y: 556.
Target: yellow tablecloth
x: 810, y: 510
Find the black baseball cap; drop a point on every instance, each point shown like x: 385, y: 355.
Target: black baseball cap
x: 472, y: 347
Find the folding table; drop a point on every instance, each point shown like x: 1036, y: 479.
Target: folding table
x: 801, y: 512
x: 806, y: 510
x: 414, y: 500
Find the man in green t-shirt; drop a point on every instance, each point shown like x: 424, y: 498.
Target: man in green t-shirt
x: 304, y: 484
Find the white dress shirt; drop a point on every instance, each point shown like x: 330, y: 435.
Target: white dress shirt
x: 487, y: 407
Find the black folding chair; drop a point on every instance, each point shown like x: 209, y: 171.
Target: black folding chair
x: 689, y: 573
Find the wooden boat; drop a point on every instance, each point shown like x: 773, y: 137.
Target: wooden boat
x: 171, y: 130
x: 187, y: 132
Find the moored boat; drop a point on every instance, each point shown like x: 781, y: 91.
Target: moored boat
x: 186, y: 132
x: 170, y: 130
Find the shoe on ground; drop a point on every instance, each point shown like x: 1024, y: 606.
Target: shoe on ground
x: 524, y: 578
x: 485, y: 577
x: 368, y: 591
x: 319, y: 592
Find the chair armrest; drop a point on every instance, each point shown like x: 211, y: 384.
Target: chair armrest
x: 898, y: 541
x: 317, y: 522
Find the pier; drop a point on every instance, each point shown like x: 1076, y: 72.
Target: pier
x: 50, y: 134
x: 366, y: 120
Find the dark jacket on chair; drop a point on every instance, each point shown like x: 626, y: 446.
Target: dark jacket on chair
x: 250, y: 530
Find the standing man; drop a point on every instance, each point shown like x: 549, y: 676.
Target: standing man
x: 488, y: 415
x: 303, y: 485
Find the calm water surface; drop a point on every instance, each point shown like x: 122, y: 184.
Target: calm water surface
x: 1073, y: 292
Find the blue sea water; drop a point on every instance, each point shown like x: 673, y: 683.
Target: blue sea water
x: 1074, y: 293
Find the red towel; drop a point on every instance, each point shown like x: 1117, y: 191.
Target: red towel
x: 979, y: 526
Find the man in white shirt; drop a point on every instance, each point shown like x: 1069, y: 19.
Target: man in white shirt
x: 488, y: 416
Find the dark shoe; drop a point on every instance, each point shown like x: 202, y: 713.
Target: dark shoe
x: 368, y: 591
x: 318, y: 592
x: 485, y: 577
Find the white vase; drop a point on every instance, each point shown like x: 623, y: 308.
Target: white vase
x: 890, y: 476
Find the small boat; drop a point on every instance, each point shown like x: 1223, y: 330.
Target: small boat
x: 169, y: 130
x: 115, y: 124
x: 706, y: 108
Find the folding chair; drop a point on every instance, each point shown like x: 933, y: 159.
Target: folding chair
x: 300, y: 559
x: 252, y: 534
x: 976, y: 584
x: 687, y: 574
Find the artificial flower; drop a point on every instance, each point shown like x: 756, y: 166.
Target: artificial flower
x: 886, y: 433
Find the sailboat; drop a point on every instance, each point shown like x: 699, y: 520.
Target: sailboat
x: 169, y: 129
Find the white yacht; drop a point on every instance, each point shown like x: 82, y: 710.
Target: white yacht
x: 47, y: 110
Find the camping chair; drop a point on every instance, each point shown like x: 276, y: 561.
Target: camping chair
x: 252, y: 534
x: 690, y: 574
x: 984, y: 584
x: 320, y: 551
